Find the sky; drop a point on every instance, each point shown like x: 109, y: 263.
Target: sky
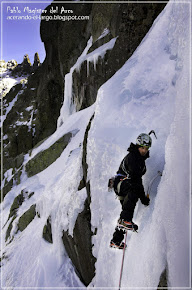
x: 20, y: 37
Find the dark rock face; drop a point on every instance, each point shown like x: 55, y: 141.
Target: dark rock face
x: 129, y: 23
x: 25, y: 68
x: 23, y: 222
x: 15, y: 123
x: 47, y: 231
x: 15, y: 180
x: 45, y: 158
x: 48, y: 106
x: 26, y: 62
x: 79, y: 247
x: 16, y: 204
x: 65, y: 40
x: 36, y: 62
x: 18, y: 201
x: 163, y: 280
x: 27, y: 218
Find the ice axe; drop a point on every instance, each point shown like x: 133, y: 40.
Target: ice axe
x: 159, y: 173
x: 152, y: 132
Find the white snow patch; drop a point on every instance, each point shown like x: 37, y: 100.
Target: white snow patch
x: 28, y: 109
x: 104, y: 33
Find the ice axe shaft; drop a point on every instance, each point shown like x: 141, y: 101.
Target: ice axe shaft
x: 121, y: 272
x: 159, y: 173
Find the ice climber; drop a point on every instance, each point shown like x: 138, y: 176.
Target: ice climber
x: 128, y: 185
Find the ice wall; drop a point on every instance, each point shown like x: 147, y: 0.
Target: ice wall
x: 151, y: 91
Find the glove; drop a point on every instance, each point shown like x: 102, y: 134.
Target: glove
x: 146, y: 201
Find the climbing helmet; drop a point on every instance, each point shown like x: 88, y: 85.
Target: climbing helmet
x: 144, y: 140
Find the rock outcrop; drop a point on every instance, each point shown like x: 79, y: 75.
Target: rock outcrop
x: 36, y: 62
x: 46, y: 157
x: 163, y: 280
x: 129, y: 23
x: 10, y: 65
x: 81, y: 255
x: 25, y: 68
x: 3, y: 65
x: 26, y: 218
x: 47, y: 231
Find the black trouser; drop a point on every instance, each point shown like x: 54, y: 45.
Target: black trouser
x: 128, y: 205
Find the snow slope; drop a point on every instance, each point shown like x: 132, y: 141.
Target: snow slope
x: 7, y: 81
x: 151, y: 91
x: 56, y: 195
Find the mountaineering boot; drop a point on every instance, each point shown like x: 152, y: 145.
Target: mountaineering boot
x: 127, y: 225
x: 118, y: 245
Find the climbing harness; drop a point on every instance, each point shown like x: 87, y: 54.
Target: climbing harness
x: 119, y: 184
x: 111, y: 185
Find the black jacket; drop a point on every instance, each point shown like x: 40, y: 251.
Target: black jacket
x: 133, y: 166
